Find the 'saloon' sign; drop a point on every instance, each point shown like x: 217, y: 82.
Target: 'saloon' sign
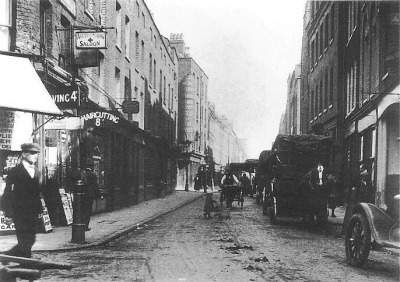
x: 90, y: 40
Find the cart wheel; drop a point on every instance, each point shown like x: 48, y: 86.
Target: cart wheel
x: 272, y: 216
x: 358, y: 240
x: 265, y: 208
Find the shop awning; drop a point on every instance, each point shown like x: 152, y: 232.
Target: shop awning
x: 22, y: 89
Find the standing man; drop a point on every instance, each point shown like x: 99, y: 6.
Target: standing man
x: 21, y: 200
x: 91, y: 192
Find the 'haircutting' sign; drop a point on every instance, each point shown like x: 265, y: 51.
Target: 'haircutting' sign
x: 100, y: 119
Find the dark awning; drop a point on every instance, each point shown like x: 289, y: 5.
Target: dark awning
x: 22, y: 88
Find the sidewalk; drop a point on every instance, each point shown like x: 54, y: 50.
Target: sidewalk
x: 109, y: 226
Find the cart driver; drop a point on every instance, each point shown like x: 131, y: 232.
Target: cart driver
x: 229, y: 178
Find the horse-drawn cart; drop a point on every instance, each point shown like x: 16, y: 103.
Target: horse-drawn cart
x: 287, y: 169
x: 230, y: 193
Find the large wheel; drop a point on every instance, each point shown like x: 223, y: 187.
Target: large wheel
x: 358, y: 240
x: 265, y: 207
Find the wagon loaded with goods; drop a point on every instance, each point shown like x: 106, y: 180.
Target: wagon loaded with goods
x: 287, y: 171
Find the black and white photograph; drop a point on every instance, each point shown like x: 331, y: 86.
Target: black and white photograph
x: 199, y: 140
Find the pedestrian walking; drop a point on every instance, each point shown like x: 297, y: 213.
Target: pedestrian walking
x: 245, y: 181
x: 197, y: 183
x: 21, y: 202
x: 317, y: 195
x: 91, y: 192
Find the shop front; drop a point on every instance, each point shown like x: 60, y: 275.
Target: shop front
x: 24, y: 103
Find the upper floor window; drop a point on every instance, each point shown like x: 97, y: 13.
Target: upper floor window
x: 127, y: 36
x: 151, y: 68
x: 333, y: 21
x: 351, y: 88
x: 144, y: 20
x: 45, y: 27
x: 118, y: 24
x: 326, y: 32
x: 351, y: 19
x: 137, y: 47
x: 64, y: 56
x: 89, y: 5
x: 117, y: 76
x: 5, y: 25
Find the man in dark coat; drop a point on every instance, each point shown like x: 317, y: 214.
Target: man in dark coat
x: 21, y: 200
x: 91, y: 192
x: 317, y: 195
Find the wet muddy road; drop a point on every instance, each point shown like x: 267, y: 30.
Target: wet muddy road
x: 235, y: 245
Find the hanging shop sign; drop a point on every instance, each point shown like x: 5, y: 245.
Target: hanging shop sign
x: 69, y: 123
x: 130, y: 107
x: 67, y: 99
x: 100, y: 118
x: 90, y: 40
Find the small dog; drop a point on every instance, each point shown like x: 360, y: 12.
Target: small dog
x: 209, y: 206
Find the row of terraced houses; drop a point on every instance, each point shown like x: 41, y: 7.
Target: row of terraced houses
x: 347, y: 87
x: 137, y: 109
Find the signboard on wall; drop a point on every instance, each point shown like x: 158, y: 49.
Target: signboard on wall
x: 15, y: 129
x: 66, y: 98
x: 90, y: 40
x: 7, y: 120
x: 4, y: 226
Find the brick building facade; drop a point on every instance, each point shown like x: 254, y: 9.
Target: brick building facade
x: 132, y: 152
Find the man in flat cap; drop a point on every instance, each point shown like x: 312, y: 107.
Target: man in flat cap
x: 21, y: 200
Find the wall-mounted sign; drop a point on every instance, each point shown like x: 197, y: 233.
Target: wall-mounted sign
x: 90, y: 40
x: 7, y: 120
x: 130, y: 107
x: 66, y: 98
x: 15, y: 129
x: 100, y: 119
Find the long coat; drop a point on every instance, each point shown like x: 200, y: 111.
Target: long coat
x: 21, y: 198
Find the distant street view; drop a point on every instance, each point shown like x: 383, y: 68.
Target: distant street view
x: 153, y: 140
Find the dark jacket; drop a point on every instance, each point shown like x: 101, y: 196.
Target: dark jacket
x: 21, y: 196
x: 91, y: 186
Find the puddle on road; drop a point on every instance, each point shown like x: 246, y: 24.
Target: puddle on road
x: 238, y: 247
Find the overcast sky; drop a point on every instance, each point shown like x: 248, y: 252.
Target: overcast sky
x: 247, y: 49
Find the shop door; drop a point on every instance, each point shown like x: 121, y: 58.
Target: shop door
x: 393, y: 154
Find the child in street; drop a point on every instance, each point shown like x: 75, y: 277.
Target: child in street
x: 209, y: 206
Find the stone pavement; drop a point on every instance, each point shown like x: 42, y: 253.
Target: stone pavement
x: 109, y: 226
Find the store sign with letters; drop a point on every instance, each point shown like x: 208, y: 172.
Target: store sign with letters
x: 4, y: 226
x: 15, y: 129
x: 90, y: 40
x: 67, y: 98
x: 99, y: 118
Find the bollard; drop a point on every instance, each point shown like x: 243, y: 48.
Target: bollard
x: 78, y: 223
